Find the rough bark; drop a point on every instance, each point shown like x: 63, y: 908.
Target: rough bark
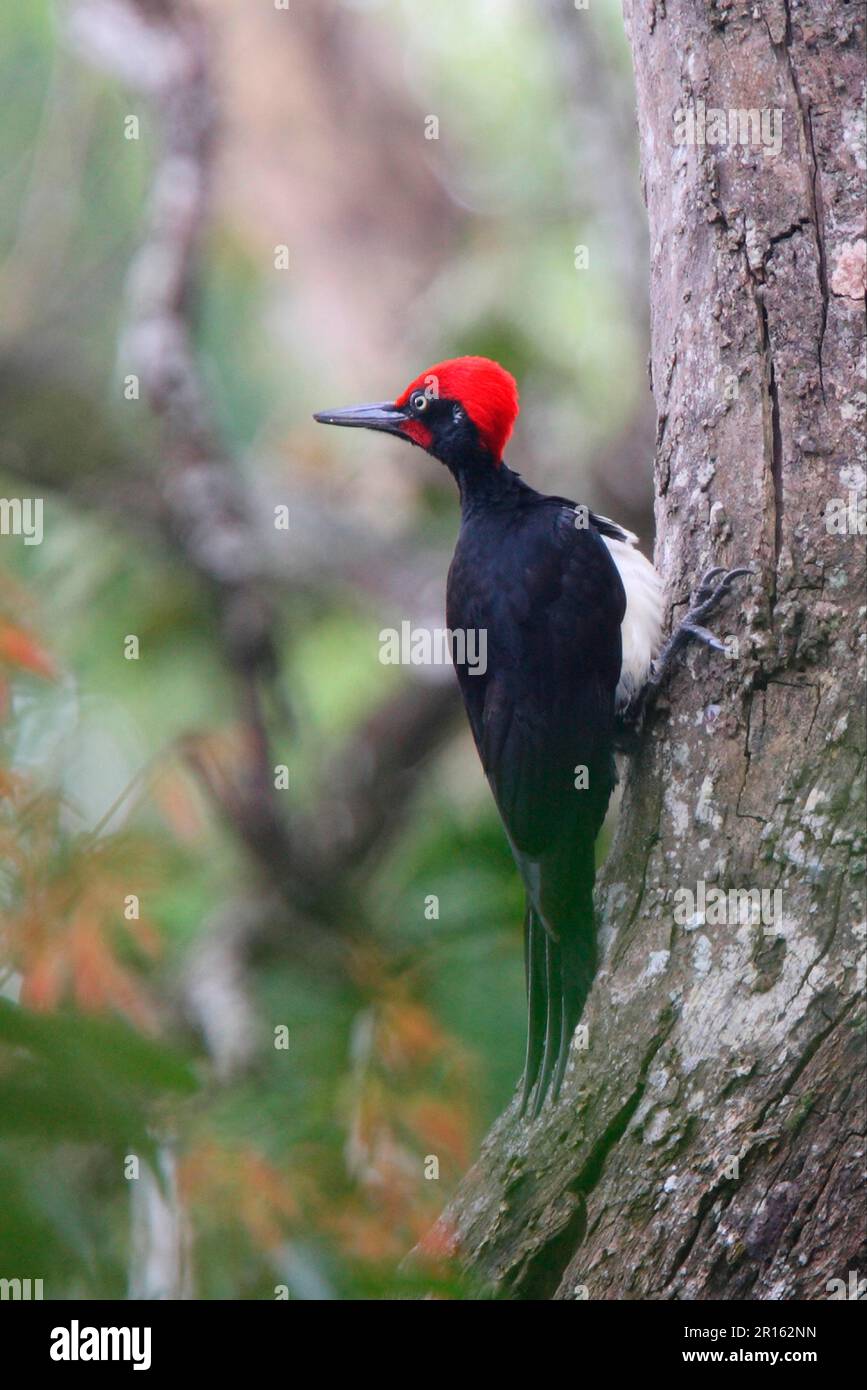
x: 708, y: 1042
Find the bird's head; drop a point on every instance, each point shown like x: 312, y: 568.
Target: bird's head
x: 461, y: 411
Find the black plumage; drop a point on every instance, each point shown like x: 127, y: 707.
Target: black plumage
x: 547, y: 594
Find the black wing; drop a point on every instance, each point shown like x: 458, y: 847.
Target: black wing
x: 545, y: 703
x: 542, y: 717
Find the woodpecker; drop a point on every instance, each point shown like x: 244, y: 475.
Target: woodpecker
x: 573, y: 617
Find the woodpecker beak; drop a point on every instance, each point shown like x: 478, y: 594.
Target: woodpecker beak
x: 384, y: 416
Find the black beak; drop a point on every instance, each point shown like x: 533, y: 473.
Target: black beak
x: 383, y: 416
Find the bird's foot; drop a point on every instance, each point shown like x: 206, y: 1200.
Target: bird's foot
x: 706, y: 599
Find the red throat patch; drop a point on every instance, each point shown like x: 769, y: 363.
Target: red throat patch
x: 418, y: 433
x: 488, y: 393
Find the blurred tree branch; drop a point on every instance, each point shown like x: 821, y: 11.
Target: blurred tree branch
x: 196, y: 501
x: 160, y: 47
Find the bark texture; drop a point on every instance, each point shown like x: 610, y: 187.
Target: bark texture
x: 709, y: 1142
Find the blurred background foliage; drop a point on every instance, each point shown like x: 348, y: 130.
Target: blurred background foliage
x: 152, y: 966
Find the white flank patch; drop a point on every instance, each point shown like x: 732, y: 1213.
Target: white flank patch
x: 641, y: 631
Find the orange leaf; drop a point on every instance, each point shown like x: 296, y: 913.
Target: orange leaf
x: 43, y: 984
x: 19, y: 648
x: 442, y: 1126
x: 411, y: 1035
x: 179, y: 803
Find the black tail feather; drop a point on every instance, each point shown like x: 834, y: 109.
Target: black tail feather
x: 553, y: 1026
x: 534, y: 963
x: 559, y: 976
x: 577, y: 968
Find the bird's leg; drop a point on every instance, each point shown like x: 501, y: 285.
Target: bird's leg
x: 710, y: 593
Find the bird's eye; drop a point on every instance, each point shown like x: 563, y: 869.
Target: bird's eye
x: 419, y: 402
x: 457, y: 415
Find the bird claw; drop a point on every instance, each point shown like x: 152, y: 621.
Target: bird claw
x: 705, y: 600
x: 708, y: 595
x: 706, y: 587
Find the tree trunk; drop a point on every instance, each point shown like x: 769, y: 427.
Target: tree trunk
x: 709, y: 1140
